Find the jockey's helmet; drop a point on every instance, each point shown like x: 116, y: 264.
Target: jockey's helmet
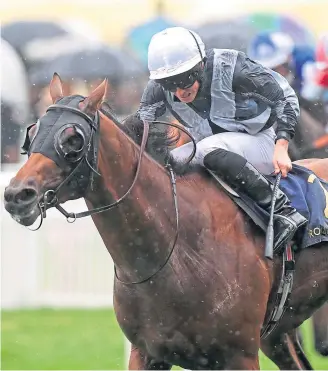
x: 174, y: 51
x: 271, y: 49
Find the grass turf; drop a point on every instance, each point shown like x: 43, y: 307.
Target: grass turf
x: 49, y: 339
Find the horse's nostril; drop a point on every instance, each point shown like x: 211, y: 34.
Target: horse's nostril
x: 8, y: 196
x: 26, y: 195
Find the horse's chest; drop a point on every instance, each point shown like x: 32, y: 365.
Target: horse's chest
x: 175, y: 347
x: 169, y: 335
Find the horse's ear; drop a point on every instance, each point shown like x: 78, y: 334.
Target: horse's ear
x: 56, y: 88
x: 94, y: 100
x: 107, y: 92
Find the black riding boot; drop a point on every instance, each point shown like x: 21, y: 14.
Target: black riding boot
x: 242, y: 176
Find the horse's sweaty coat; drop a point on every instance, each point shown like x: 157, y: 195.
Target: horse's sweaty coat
x: 173, y: 318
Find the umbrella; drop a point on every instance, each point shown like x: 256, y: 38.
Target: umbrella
x: 227, y: 34
x: 132, y: 67
x: 14, y: 86
x: 139, y: 37
x: 91, y: 64
x: 38, y: 42
x: 20, y: 33
x: 237, y: 33
x: 278, y: 22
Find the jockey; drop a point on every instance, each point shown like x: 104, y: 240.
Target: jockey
x: 321, y: 71
x: 316, y: 83
x: 321, y: 77
x: 277, y: 50
x: 229, y: 104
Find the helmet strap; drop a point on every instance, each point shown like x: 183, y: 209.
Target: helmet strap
x: 198, y: 47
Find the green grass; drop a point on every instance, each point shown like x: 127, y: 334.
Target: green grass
x: 61, y: 340
x: 79, y: 340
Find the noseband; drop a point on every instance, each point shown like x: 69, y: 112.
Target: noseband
x: 50, y: 198
x: 71, y: 217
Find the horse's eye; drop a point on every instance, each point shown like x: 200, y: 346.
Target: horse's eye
x: 71, y: 142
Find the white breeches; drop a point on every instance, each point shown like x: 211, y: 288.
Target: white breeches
x: 257, y: 149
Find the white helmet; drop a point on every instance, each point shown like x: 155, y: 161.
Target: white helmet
x: 173, y: 51
x: 271, y: 49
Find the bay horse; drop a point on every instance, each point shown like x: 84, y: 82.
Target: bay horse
x: 301, y: 147
x: 320, y: 330
x: 310, y: 138
x: 191, y: 291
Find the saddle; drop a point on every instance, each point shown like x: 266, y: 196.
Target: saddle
x: 299, y: 187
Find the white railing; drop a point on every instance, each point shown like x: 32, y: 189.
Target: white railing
x: 61, y: 265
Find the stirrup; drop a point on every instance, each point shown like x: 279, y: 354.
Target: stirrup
x: 290, y: 225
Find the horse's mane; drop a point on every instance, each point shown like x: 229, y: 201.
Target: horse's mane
x: 161, y: 138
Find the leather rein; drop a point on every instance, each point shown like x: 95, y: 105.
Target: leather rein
x: 50, y: 198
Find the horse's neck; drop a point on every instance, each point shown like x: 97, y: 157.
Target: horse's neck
x: 138, y: 232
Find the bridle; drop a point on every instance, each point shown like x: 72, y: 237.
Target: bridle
x: 50, y: 198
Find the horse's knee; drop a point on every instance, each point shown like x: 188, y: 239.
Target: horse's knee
x: 242, y: 363
x: 140, y: 361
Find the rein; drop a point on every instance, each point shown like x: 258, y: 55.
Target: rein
x: 121, y: 199
x: 50, y: 198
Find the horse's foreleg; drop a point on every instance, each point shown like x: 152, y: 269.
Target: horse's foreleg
x: 241, y: 362
x: 296, y: 341
x: 286, y: 352
x: 320, y: 328
x: 140, y: 361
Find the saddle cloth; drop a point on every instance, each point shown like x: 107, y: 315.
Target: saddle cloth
x: 308, y: 195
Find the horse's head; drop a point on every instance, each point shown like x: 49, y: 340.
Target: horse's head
x: 61, y: 150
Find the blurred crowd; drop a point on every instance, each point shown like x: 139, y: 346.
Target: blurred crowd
x: 31, y: 51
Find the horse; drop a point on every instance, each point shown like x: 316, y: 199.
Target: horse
x: 309, y: 123
x: 311, y: 141
x: 310, y: 138
x: 320, y: 330
x: 192, y: 283
x: 317, y: 149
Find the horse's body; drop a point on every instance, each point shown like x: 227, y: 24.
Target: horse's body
x: 307, y: 142
x: 204, y: 309
x: 320, y: 317
x: 320, y: 329
x: 197, y: 289
x: 310, y: 141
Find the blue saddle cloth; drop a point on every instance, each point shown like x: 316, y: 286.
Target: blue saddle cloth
x: 309, y: 195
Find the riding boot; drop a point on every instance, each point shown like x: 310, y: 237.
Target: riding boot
x: 244, y: 177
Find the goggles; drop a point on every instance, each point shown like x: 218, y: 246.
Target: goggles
x: 183, y: 81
